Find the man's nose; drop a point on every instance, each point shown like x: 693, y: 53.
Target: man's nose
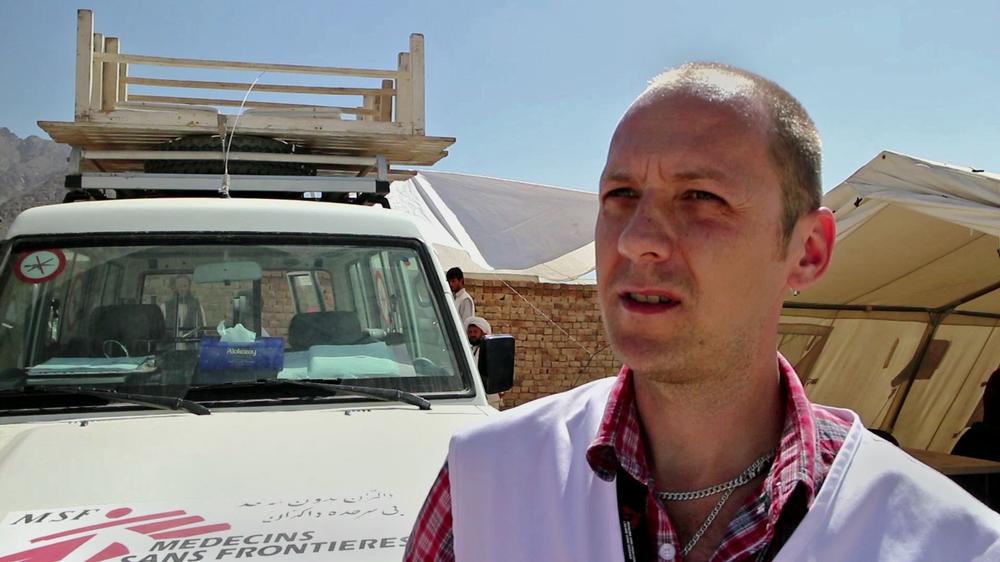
x: 649, y: 234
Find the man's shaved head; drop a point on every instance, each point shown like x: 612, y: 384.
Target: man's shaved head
x: 795, y: 144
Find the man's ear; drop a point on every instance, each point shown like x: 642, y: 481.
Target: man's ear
x: 816, y: 232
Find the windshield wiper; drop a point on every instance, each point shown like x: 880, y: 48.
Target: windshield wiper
x: 387, y: 394
x: 151, y: 400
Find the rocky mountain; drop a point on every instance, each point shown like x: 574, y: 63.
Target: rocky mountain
x: 31, y: 174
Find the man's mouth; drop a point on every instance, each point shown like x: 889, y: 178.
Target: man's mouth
x: 647, y: 302
x: 655, y: 299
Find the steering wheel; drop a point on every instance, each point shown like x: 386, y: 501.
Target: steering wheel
x: 424, y: 366
x: 108, y: 346
x: 189, y: 332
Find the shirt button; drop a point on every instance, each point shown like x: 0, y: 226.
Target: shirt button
x: 667, y: 551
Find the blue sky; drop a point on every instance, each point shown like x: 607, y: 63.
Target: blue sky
x: 532, y: 90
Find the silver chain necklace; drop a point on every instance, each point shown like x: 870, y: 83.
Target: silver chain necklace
x: 726, y: 489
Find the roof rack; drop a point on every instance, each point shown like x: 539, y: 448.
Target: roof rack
x: 123, y: 122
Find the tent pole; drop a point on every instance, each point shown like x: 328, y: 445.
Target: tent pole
x: 970, y: 297
x: 918, y: 359
x: 989, y: 315
x: 876, y: 308
x: 856, y: 307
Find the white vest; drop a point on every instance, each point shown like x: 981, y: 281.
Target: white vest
x: 522, y: 490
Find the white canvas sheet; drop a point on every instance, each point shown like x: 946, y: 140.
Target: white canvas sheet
x: 492, y: 225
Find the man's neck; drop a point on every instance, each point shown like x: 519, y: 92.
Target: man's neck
x: 701, y: 434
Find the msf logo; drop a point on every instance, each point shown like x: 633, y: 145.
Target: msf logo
x: 100, y: 541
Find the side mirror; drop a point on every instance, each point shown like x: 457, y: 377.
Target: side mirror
x: 496, y: 362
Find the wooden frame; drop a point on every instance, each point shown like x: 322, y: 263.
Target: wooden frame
x: 110, y: 115
x: 212, y: 182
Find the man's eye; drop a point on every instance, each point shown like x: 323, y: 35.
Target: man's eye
x: 623, y: 192
x: 702, y: 196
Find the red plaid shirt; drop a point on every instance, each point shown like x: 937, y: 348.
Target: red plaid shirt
x: 809, y: 442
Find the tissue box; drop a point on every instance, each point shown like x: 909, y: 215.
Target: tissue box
x: 264, y: 354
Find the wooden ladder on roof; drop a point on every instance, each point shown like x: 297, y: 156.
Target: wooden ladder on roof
x: 122, y: 118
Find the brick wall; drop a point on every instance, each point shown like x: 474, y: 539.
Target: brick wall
x: 547, y: 359
x: 277, y: 311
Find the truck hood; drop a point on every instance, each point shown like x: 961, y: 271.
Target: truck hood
x: 314, y: 484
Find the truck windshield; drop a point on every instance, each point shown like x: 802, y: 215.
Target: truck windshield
x: 166, y: 316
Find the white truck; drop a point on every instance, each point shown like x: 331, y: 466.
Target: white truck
x: 227, y: 377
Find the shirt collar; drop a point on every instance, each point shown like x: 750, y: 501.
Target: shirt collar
x: 795, y: 461
x: 619, y: 443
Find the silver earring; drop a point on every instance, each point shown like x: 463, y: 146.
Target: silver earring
x: 795, y: 292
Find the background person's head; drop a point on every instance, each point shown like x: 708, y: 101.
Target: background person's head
x: 476, y: 328
x: 456, y: 279
x: 694, y: 257
x: 181, y: 284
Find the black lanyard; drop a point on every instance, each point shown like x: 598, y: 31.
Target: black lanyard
x: 632, y: 518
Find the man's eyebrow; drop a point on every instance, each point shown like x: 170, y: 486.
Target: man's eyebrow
x: 616, y: 177
x: 693, y: 174
x: 698, y: 174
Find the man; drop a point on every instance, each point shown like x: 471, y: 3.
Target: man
x: 476, y: 327
x: 183, y: 313
x: 704, y: 448
x: 463, y: 300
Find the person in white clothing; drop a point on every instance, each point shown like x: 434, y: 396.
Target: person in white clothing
x: 705, y: 447
x: 183, y: 313
x: 476, y: 327
x: 463, y: 300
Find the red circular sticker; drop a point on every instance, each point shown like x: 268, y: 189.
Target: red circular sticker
x: 40, y: 266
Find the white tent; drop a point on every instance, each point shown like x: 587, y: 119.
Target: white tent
x: 491, y: 225
x: 905, y: 326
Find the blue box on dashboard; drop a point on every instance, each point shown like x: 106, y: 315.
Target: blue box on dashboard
x: 264, y: 354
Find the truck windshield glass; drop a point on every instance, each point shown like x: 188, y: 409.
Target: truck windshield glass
x: 165, y: 317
